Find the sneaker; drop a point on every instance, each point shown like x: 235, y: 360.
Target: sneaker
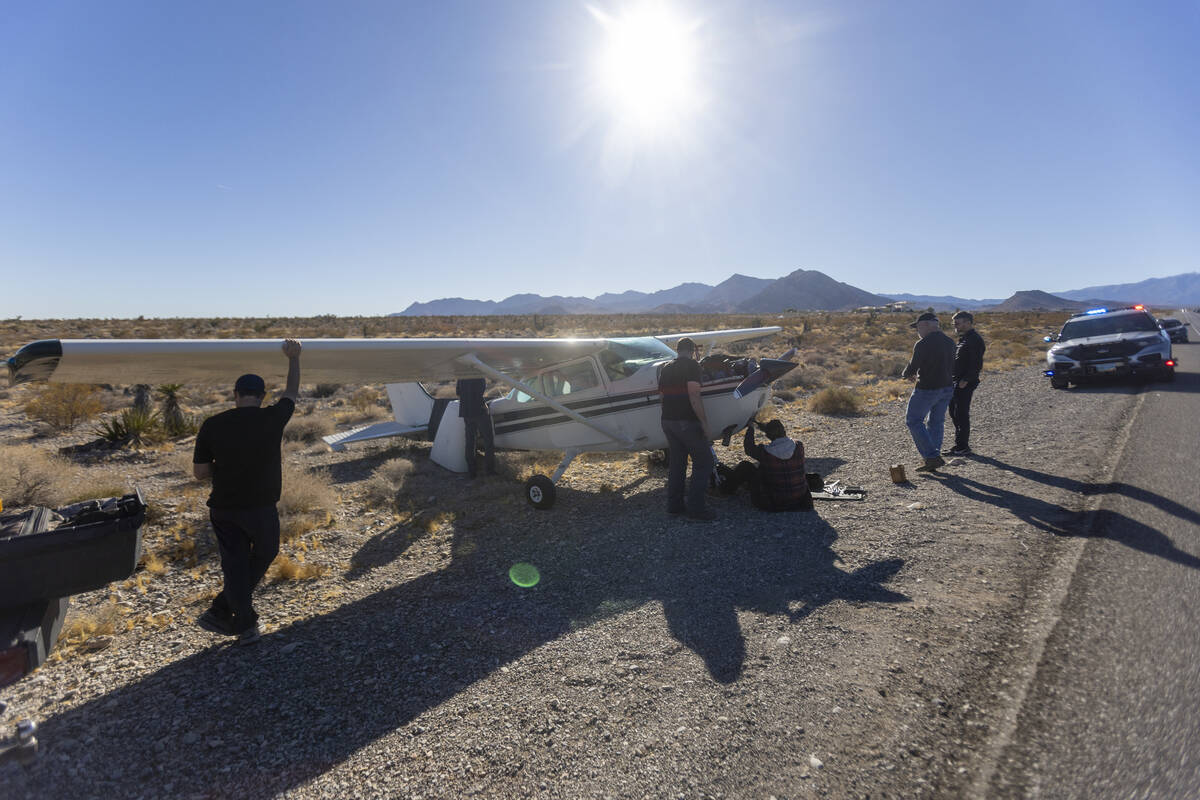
x: 250, y: 635
x: 214, y: 623
x: 957, y: 451
x: 932, y: 464
x: 701, y: 516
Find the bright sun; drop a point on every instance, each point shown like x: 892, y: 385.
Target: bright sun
x: 647, y: 68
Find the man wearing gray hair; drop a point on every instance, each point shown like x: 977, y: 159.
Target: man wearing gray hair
x: 931, y: 367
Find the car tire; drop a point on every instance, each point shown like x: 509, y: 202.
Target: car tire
x: 1169, y: 375
x: 1059, y: 383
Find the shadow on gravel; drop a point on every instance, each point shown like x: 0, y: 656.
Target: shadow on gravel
x: 258, y: 721
x: 1092, y: 489
x: 1064, y: 522
x: 1188, y: 382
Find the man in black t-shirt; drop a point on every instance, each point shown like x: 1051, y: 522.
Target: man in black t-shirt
x: 240, y: 450
x: 686, y: 429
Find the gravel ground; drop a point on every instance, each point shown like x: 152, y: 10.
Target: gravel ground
x: 869, y: 649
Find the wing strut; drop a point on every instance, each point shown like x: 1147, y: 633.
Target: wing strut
x: 495, y: 374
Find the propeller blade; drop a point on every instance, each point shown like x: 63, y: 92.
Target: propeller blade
x: 769, y: 370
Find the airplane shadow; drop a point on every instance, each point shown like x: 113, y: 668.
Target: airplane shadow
x: 1091, y: 489
x: 1060, y: 521
x: 362, y: 670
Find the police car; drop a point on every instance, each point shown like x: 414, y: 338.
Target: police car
x: 1178, y: 331
x: 1109, y: 343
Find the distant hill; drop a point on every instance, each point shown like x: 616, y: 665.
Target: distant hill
x: 1175, y: 290
x: 942, y: 302
x: 808, y: 289
x: 732, y: 292
x: 1035, y: 300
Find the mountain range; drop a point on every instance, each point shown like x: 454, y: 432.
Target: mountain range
x: 807, y: 290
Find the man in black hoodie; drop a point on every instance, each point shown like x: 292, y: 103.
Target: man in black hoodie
x: 968, y: 361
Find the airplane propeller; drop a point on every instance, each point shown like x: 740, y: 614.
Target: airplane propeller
x: 769, y: 370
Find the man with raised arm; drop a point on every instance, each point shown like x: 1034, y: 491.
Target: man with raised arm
x: 240, y: 450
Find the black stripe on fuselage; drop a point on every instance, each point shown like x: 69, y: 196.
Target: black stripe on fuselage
x: 507, y: 422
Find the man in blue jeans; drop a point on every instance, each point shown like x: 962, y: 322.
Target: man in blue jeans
x: 932, y: 367
x: 686, y: 428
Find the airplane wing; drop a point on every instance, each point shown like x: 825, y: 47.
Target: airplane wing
x: 711, y: 338
x: 129, y: 361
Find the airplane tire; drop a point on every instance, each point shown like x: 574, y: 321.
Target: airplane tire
x: 539, y: 491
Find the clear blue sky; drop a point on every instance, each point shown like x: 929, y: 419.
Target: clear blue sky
x: 271, y: 158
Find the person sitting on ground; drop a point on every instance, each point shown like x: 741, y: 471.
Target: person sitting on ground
x: 777, y: 482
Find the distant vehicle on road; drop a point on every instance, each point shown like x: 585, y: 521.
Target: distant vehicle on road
x: 1175, y: 329
x: 1109, y: 343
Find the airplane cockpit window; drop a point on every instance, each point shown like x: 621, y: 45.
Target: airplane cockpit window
x: 534, y: 383
x: 624, y: 357
x: 560, y: 381
x: 570, y: 379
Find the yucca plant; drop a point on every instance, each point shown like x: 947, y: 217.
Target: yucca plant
x: 174, y: 421
x: 132, y: 427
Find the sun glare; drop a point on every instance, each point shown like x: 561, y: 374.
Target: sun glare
x: 647, y: 68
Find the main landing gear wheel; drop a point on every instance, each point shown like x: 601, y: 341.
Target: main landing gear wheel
x: 539, y: 491
x: 1059, y: 383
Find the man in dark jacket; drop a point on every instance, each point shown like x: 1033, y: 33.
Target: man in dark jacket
x: 968, y: 362
x: 686, y: 427
x: 931, y: 366
x: 777, y: 482
x: 240, y: 450
x: 474, y: 413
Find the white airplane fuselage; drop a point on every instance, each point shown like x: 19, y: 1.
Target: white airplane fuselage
x: 627, y: 409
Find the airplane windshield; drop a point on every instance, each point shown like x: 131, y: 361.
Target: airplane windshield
x: 624, y: 357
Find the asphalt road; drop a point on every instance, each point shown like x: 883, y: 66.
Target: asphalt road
x: 1114, y: 709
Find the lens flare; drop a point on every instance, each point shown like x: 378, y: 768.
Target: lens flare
x: 524, y: 575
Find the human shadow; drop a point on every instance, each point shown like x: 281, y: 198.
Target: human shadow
x: 1093, y: 489
x: 1060, y: 521
x: 314, y: 692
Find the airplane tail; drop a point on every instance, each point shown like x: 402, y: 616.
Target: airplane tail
x: 411, y: 404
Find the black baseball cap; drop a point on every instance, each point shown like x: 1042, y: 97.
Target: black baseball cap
x: 928, y: 316
x: 250, y: 384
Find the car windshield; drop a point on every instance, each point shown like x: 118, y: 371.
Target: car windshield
x: 1101, y: 326
x: 1170, y: 323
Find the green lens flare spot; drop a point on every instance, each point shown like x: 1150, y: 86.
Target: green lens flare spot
x: 524, y: 575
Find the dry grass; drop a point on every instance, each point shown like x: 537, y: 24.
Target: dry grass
x: 835, y: 401
x: 62, y: 406
x: 288, y: 569
x: 305, y: 491
x: 307, y: 428
x: 86, y: 631
x: 30, y: 477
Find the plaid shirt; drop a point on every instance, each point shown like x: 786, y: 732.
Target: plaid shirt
x: 783, y: 482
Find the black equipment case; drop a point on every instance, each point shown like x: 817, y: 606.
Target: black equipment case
x: 50, y: 554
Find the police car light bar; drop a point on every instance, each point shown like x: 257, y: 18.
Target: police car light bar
x: 1096, y: 311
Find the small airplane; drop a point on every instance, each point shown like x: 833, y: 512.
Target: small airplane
x: 568, y: 395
